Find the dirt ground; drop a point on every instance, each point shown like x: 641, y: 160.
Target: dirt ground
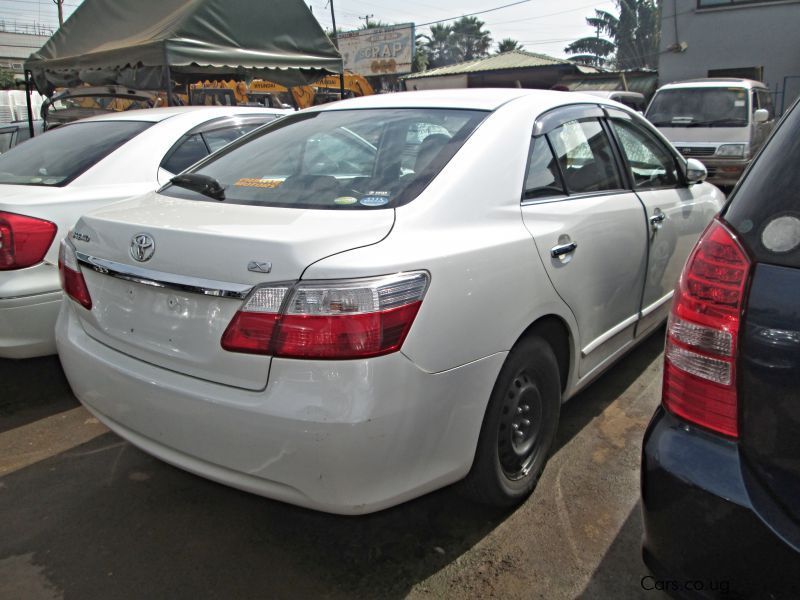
x: 85, y: 515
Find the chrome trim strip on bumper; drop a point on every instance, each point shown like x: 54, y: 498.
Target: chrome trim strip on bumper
x: 657, y: 304
x: 194, y: 285
x: 593, y: 345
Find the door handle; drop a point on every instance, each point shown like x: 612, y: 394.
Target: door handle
x: 657, y: 219
x: 563, y: 249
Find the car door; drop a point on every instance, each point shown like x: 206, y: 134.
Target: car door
x: 676, y: 212
x: 589, y: 230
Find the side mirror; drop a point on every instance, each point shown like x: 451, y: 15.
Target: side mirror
x: 761, y: 116
x: 695, y: 171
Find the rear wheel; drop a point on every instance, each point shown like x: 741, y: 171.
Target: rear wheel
x: 519, y: 426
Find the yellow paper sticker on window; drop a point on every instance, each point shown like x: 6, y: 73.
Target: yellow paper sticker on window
x: 258, y: 183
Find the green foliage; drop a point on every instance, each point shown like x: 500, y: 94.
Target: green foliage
x: 7, y: 80
x: 465, y: 39
x: 508, y: 44
x: 629, y: 41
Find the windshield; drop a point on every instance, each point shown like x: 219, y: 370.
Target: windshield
x: 342, y: 159
x: 699, y: 107
x: 59, y: 156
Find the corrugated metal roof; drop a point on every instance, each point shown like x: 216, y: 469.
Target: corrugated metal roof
x: 640, y: 81
x: 514, y: 59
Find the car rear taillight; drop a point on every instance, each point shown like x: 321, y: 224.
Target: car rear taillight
x: 23, y: 240
x: 702, y: 334
x: 72, y: 280
x: 328, y: 319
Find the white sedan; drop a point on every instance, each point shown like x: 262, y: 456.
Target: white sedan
x: 370, y: 300
x: 48, y: 182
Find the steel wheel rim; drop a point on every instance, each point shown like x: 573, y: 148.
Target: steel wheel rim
x: 520, y: 425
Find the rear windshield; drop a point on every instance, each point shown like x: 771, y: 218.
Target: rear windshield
x: 59, y: 156
x: 765, y: 209
x: 340, y: 159
x: 699, y: 107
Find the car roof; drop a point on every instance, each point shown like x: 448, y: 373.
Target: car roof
x: 473, y: 98
x: 195, y: 113
x: 713, y: 82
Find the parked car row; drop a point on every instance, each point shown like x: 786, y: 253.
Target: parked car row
x: 356, y: 304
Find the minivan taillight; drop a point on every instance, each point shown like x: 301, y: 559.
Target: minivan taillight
x: 328, y: 319
x: 72, y: 280
x: 23, y: 240
x: 702, y: 334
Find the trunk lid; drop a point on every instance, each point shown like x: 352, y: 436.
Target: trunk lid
x: 209, y: 245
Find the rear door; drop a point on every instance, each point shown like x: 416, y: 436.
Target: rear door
x: 589, y: 230
x: 676, y: 213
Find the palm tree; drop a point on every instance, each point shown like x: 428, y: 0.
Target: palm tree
x: 438, y: 46
x: 469, y: 39
x: 508, y: 44
x: 630, y: 42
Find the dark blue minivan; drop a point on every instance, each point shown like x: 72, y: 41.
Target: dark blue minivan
x: 721, y: 457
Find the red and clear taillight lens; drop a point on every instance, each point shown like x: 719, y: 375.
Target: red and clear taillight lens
x: 72, y: 281
x: 23, y: 240
x: 702, y: 334
x: 329, y: 319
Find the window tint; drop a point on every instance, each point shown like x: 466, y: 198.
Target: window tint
x: 652, y: 165
x: 339, y: 159
x: 61, y: 155
x: 765, y: 210
x: 542, y: 178
x: 585, y: 156
x: 185, y: 153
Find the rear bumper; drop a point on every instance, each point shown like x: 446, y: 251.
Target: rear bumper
x: 703, y: 537
x: 27, y: 325
x: 347, y: 437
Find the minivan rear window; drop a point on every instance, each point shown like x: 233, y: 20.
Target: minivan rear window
x: 60, y: 155
x: 338, y: 159
x: 765, y: 209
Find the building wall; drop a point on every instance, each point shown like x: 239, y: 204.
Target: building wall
x: 729, y: 37
x: 16, y: 47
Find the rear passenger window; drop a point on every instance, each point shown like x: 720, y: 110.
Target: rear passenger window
x: 584, y: 154
x: 542, y: 178
x: 651, y: 164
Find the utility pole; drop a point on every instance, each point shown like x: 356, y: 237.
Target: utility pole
x: 336, y: 43
x: 60, y: 5
x: 366, y: 19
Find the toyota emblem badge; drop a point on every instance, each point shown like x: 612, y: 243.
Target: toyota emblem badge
x: 142, y: 247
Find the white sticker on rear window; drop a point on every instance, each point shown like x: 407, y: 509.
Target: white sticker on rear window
x: 782, y: 234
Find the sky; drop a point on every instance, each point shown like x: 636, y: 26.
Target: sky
x: 541, y: 26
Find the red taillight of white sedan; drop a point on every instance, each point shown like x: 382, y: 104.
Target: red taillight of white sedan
x: 702, y: 335
x: 328, y: 320
x: 23, y: 240
x: 72, y: 281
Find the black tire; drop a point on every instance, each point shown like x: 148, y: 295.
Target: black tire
x: 519, y: 426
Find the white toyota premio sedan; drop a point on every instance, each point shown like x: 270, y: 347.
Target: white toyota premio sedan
x: 370, y: 300
x: 51, y: 180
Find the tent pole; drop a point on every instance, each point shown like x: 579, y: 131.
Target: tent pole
x: 167, y: 84
x: 336, y: 43
x: 28, y: 100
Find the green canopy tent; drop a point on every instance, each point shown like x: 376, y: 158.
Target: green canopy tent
x: 147, y: 44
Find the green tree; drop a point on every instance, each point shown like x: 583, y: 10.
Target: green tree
x: 7, y: 80
x: 629, y: 41
x: 438, y: 46
x: 508, y: 44
x: 469, y: 39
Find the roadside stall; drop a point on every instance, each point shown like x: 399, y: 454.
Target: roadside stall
x: 167, y: 44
